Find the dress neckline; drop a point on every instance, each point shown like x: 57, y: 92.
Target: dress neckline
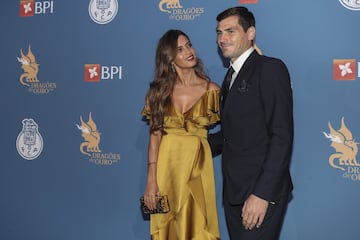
x: 194, y: 104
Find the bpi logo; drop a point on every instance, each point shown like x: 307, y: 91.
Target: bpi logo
x: 345, y: 69
x: 96, y: 72
x: 29, y: 7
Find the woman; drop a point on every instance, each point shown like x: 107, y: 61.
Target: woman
x: 181, y: 105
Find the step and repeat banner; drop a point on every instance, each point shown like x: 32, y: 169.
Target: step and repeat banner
x: 74, y: 75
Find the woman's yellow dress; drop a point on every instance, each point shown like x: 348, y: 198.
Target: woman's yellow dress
x: 185, y: 173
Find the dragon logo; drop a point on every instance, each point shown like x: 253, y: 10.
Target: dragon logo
x: 179, y: 13
x: 169, y: 4
x: 91, y: 136
x: 345, y: 146
x: 30, y: 67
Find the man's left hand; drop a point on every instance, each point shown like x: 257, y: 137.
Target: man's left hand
x: 254, y: 211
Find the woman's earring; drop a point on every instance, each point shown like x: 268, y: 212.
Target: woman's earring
x: 173, y: 68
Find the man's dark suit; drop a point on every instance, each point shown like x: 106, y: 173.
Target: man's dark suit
x: 256, y: 133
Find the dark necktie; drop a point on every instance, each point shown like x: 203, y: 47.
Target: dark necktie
x: 226, y: 84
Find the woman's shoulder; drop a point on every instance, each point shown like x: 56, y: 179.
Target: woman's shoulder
x: 212, y: 86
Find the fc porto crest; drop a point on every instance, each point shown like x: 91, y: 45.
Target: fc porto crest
x: 351, y: 4
x: 29, y: 142
x: 103, y: 11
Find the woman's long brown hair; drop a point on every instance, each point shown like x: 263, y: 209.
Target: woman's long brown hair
x: 158, y: 96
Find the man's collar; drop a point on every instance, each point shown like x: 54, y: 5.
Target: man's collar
x: 239, y: 62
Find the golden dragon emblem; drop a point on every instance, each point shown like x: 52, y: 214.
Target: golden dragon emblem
x: 345, y: 146
x: 30, y: 67
x: 91, y: 136
x: 169, y: 4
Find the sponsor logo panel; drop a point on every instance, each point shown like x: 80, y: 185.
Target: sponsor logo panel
x: 92, y: 72
x: 96, y: 72
x: 90, y: 147
x: 29, y: 77
x: 29, y: 8
x: 29, y: 142
x: 344, y: 158
x: 344, y: 69
x: 179, y: 12
x: 103, y: 11
x: 351, y: 4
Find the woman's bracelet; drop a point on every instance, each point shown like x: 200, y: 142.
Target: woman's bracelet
x: 149, y: 163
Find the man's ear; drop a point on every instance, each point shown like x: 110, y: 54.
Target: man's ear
x: 251, y: 33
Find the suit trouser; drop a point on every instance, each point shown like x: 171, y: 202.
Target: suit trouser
x: 270, y: 228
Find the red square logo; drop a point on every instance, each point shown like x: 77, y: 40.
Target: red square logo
x: 248, y: 1
x: 344, y: 69
x: 92, y: 72
x: 27, y: 8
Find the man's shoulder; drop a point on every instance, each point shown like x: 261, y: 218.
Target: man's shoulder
x: 271, y: 62
x: 269, y: 59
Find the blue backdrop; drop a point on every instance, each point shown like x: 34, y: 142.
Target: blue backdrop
x: 74, y: 76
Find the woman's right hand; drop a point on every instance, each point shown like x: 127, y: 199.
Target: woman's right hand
x: 151, y: 192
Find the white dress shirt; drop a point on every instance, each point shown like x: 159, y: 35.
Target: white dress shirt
x: 238, y: 63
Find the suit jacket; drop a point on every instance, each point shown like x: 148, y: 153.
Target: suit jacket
x: 256, y: 133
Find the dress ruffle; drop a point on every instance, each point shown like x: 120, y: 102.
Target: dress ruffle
x: 204, y: 113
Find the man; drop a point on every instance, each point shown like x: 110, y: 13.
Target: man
x: 256, y: 133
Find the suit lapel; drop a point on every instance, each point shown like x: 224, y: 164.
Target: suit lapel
x: 243, y: 78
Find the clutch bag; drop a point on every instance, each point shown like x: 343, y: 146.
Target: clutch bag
x: 162, y: 205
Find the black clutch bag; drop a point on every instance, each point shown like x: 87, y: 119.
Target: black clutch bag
x: 162, y: 205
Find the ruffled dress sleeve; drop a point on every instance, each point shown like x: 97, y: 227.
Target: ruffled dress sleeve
x: 146, y: 111
x: 213, y: 106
